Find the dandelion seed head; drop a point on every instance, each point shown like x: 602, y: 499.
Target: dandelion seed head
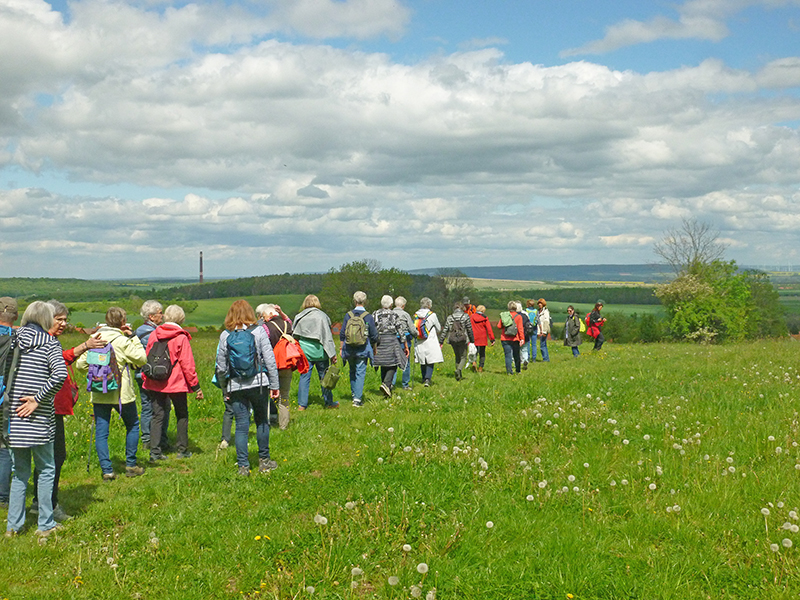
x: 646, y: 437
x: 652, y: 486
x: 774, y: 547
x: 729, y: 459
x: 355, y: 572
x: 787, y: 543
x: 431, y: 595
x: 394, y: 580
x: 350, y: 505
x: 571, y: 478
x: 765, y: 512
x: 537, y: 460
x: 529, y: 498
x: 320, y: 520
x: 543, y: 484
x: 489, y: 524
x: 406, y: 547
x: 422, y: 568
x: 416, y: 592
x: 390, y: 430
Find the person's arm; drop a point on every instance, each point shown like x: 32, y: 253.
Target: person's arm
x: 55, y: 379
x: 268, y: 360
x: 470, y: 333
x: 443, y: 333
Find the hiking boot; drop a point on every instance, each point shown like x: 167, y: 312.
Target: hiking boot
x: 34, y: 509
x: 244, y: 471
x: 223, y: 444
x: 301, y: 408
x: 357, y: 402
x: 426, y: 383
x: 184, y: 454
x: 134, y: 471
x: 480, y: 369
x: 155, y: 459
x: 265, y: 465
x: 459, y: 376
x: 386, y: 391
x: 525, y: 365
x: 59, y: 515
x: 10, y: 533
x: 44, y: 534
x: 109, y: 476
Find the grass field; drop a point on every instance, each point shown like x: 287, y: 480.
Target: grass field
x: 644, y: 471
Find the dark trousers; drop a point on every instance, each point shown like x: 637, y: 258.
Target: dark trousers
x: 60, y: 455
x: 481, y: 356
x: 387, y: 376
x: 161, y: 403
x: 460, y: 350
x: 598, y: 341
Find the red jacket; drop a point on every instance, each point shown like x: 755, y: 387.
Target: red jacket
x: 481, y: 329
x: 64, y: 400
x: 184, y: 374
x: 520, y: 337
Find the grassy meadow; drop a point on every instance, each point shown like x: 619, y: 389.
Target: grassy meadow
x: 643, y: 471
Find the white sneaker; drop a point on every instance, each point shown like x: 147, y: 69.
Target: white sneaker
x: 357, y: 402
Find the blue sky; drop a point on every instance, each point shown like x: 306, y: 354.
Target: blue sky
x: 293, y: 136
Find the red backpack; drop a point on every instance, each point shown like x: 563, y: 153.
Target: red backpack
x: 289, y: 354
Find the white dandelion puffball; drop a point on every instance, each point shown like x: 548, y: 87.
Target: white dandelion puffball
x: 729, y: 459
x: 354, y: 584
x: 394, y: 580
x: 774, y: 547
x: 543, y: 484
x: 422, y: 568
x: 571, y: 478
x: 586, y: 465
x: 537, y: 460
x: 406, y: 547
x: 416, y: 592
x: 646, y: 437
x: 320, y: 520
x: 390, y: 430
x: 652, y: 486
x: 624, y: 482
x: 355, y: 572
x: 431, y: 595
x: 489, y: 524
x: 310, y: 589
x: 350, y: 505
x: 380, y: 460
x: 765, y: 512
x: 787, y: 543
x: 529, y: 498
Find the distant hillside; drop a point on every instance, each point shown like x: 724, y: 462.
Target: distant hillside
x: 621, y: 273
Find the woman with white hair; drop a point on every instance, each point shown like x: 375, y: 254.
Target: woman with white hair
x: 391, y: 351
x: 153, y: 313
x: 40, y: 371
x: 181, y: 381
x: 427, y: 350
x: 277, y: 324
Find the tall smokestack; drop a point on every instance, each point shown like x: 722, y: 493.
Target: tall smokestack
x: 201, y: 267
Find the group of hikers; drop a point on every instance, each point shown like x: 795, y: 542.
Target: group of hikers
x: 258, y: 351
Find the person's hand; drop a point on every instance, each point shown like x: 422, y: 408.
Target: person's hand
x: 274, y: 394
x: 29, y: 404
x: 126, y: 329
x: 94, y: 342
x: 333, y: 359
x: 199, y: 395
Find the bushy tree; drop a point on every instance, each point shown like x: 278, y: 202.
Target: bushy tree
x: 365, y: 275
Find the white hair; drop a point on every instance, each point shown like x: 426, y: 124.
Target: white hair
x: 386, y: 301
x: 174, y: 314
x: 150, y: 308
x: 40, y: 313
x: 359, y: 297
x: 400, y: 302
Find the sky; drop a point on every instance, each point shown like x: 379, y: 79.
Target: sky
x: 294, y: 136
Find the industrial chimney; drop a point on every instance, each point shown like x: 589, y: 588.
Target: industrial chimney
x: 201, y: 267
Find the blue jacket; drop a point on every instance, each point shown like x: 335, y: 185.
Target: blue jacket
x: 364, y: 351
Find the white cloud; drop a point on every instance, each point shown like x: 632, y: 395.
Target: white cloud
x: 697, y: 19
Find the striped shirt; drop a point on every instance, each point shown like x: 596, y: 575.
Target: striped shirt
x: 40, y: 373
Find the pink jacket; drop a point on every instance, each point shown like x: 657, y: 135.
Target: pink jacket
x: 184, y: 374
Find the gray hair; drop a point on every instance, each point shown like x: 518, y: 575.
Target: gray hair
x: 40, y: 313
x: 359, y: 297
x: 115, y: 316
x: 58, y: 308
x: 512, y: 305
x: 386, y: 301
x: 400, y: 302
x: 150, y: 308
x: 426, y: 303
x: 174, y: 314
x: 266, y: 310
x: 519, y: 306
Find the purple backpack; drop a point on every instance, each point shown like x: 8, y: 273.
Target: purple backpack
x: 104, y: 374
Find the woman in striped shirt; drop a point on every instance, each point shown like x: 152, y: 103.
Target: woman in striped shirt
x: 39, y: 375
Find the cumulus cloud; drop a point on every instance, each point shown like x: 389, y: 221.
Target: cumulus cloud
x: 697, y: 19
x: 328, y: 154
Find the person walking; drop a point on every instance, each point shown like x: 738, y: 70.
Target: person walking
x: 482, y: 330
x: 8, y: 316
x: 129, y: 354
x: 572, y: 331
x: 528, y: 349
x: 427, y: 350
x: 596, y: 322
x: 174, y: 390
x: 248, y: 376
x: 312, y: 330
x: 391, y: 351
x: 458, y: 333
x: 358, y: 338
x: 409, y: 334
x: 512, y: 334
x: 278, y: 323
x: 40, y: 371
x: 153, y: 313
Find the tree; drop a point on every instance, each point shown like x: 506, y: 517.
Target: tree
x: 691, y: 248
x: 364, y: 275
x: 455, y: 286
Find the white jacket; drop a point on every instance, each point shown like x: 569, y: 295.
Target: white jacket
x: 429, y: 352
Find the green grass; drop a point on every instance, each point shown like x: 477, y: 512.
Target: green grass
x: 389, y: 474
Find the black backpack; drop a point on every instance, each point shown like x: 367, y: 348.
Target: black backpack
x: 458, y: 332
x: 159, y: 364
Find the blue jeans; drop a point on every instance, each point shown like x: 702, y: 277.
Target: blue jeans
x: 5, y: 474
x: 406, y: 373
x: 46, y: 465
x: 427, y: 372
x: 102, y: 420
x: 227, y: 422
x: 241, y: 401
x: 543, y: 348
x: 147, y: 417
x: 575, y: 351
x: 304, y: 385
x: 511, y: 351
x: 358, y: 374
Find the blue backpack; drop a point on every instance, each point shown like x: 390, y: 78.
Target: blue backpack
x: 242, y: 353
